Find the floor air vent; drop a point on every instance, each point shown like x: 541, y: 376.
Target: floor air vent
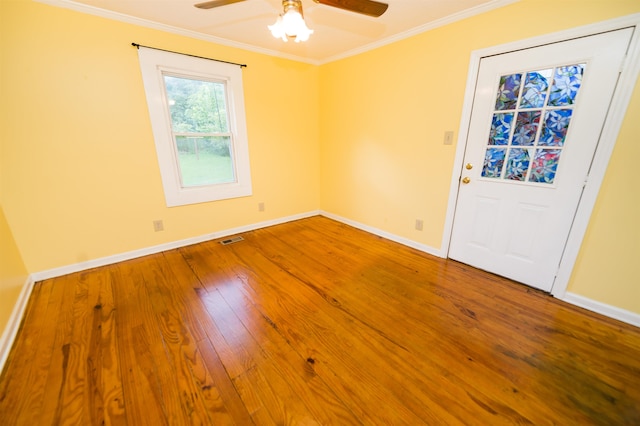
x: 231, y: 240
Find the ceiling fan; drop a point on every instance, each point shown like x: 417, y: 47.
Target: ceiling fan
x: 365, y: 7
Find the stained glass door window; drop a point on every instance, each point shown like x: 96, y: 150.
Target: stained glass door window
x: 530, y: 121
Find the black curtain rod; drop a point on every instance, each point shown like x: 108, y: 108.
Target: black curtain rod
x: 138, y: 46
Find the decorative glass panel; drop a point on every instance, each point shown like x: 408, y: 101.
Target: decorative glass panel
x: 500, y: 129
x: 526, y: 128
x: 535, y: 89
x: 518, y: 164
x: 545, y: 164
x: 566, y: 85
x: 493, y: 161
x: 554, y: 129
x: 508, y: 92
x: 530, y: 123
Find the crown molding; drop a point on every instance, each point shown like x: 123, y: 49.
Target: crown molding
x: 116, y: 16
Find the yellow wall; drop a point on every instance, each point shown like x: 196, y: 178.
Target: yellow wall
x: 13, y: 274
x: 606, y: 268
x: 384, y: 114
x: 363, y: 138
x: 79, y: 155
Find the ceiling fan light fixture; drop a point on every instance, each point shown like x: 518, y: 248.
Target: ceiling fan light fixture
x: 290, y: 23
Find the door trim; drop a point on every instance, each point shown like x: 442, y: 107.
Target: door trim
x: 611, y: 128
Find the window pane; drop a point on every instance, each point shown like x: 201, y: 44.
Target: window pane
x: 205, y: 160
x: 500, y: 129
x: 535, y: 89
x: 493, y: 161
x: 196, y: 106
x: 566, y: 84
x: 508, y: 92
x: 517, y: 164
x: 526, y: 128
x: 556, y: 124
x: 545, y: 165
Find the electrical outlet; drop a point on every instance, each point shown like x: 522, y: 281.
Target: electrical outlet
x: 448, y: 137
x: 419, y: 224
x: 260, y: 207
x: 158, y: 225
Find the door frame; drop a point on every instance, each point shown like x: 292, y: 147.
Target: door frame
x: 613, y: 122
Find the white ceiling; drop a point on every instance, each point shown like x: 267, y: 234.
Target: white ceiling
x: 338, y: 33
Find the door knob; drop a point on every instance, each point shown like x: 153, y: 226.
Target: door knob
x: 466, y: 180
x: 469, y: 166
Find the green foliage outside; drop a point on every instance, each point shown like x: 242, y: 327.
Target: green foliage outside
x: 196, y: 106
x: 216, y: 145
x: 206, y: 169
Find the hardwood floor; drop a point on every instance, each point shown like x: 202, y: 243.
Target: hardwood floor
x: 312, y: 322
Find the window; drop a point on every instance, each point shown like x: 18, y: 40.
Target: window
x: 197, y: 115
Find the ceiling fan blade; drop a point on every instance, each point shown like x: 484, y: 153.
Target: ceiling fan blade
x: 215, y: 3
x: 366, y: 7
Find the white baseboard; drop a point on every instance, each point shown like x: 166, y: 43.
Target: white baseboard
x: 603, y: 309
x: 13, y: 325
x: 401, y: 240
x: 109, y: 260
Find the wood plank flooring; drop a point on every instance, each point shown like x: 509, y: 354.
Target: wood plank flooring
x: 312, y: 323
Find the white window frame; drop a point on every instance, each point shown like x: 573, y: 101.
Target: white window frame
x: 153, y: 64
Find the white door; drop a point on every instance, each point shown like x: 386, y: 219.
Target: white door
x: 536, y: 120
